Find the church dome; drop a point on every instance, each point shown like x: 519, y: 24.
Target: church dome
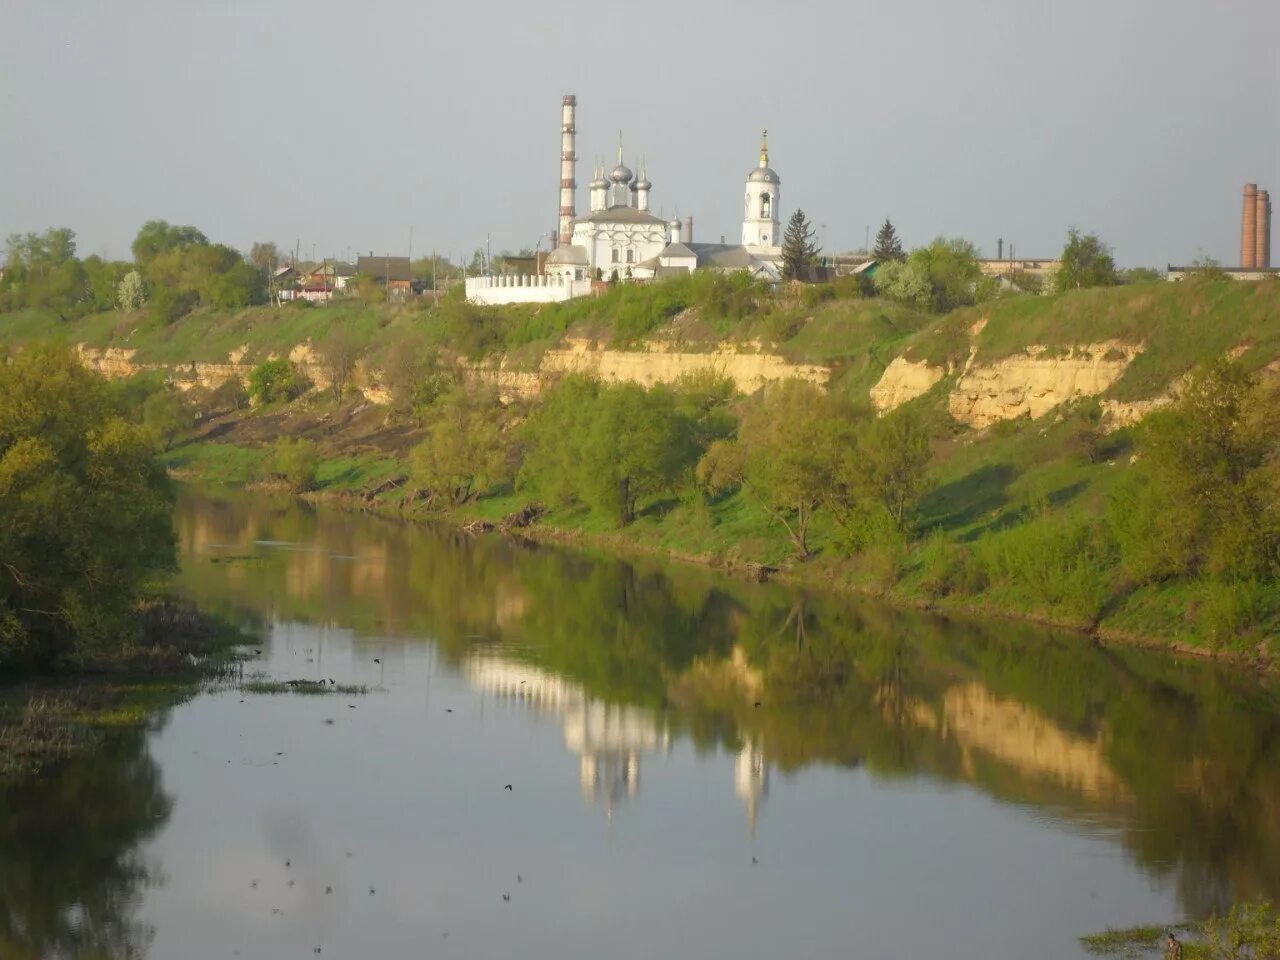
x: 642, y: 184
x: 621, y: 174
x: 763, y: 175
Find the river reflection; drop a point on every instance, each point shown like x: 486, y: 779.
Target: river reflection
x: 698, y: 767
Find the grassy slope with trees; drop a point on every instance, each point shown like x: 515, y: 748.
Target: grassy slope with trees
x: 1038, y: 519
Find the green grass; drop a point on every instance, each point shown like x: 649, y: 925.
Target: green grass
x: 1118, y: 942
x: 1178, y: 325
x: 222, y: 464
x: 303, y: 688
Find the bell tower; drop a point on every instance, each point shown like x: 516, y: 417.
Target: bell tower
x: 761, y: 225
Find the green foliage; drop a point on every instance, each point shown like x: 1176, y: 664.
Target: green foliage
x: 888, y: 247
x: 940, y: 277
x: 339, y: 353
x: 183, y: 270
x: 1058, y: 562
x: 1085, y: 262
x: 131, y: 294
x: 167, y: 414
x: 274, y: 381
x: 786, y: 455
x: 469, y: 450
x: 86, y: 509
x: 1249, y: 931
x: 1140, y: 275
x: 609, y: 447
x: 799, y: 248
x: 41, y: 270
x: 158, y: 237
x: 415, y: 376
x: 1204, y: 499
x: 296, y: 461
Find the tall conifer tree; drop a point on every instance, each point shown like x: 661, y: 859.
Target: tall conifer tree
x: 799, y: 250
x: 888, y: 246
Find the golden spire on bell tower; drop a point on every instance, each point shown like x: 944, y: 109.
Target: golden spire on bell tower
x: 764, y: 148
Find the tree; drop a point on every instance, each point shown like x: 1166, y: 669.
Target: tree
x: 609, y: 447
x: 941, y: 277
x: 785, y: 457
x: 799, y: 249
x: 904, y: 282
x: 130, y: 293
x: 339, y: 353
x: 415, y: 376
x: 87, y: 512
x: 157, y: 237
x: 468, y: 449
x: 892, y: 455
x: 888, y: 247
x: 1204, y: 498
x: 1085, y: 262
x: 296, y: 461
x: 273, y: 381
x: 167, y: 414
x: 264, y: 257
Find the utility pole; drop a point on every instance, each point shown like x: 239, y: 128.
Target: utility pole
x: 488, y: 260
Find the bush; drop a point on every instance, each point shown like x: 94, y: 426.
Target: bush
x: 274, y: 381
x: 86, y: 507
x: 1229, y: 612
x: 1060, y: 561
x: 296, y: 462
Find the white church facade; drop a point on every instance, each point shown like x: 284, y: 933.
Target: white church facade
x: 621, y: 239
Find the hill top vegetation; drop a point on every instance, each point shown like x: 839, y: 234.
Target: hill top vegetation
x: 1046, y: 518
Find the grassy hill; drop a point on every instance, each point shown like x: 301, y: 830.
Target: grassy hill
x: 1007, y: 525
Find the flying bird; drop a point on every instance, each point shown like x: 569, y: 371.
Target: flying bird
x: 506, y: 897
x: 328, y: 890
x: 376, y: 660
x: 507, y: 787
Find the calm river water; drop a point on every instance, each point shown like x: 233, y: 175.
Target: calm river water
x: 698, y: 768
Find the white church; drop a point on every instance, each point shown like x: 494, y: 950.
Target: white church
x: 622, y: 240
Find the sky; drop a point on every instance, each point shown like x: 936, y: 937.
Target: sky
x: 403, y: 126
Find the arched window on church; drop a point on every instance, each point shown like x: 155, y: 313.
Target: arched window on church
x: 765, y: 201
x: 631, y: 255
x: 615, y: 255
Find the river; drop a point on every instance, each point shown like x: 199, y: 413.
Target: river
x: 565, y: 754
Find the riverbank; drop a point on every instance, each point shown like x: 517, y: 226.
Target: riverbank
x: 68, y: 710
x: 703, y: 534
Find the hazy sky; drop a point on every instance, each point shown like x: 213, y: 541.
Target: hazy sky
x: 344, y: 125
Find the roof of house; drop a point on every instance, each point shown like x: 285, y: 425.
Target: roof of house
x: 384, y: 268
x: 677, y: 250
x: 623, y: 215
x: 723, y: 255
x: 333, y: 268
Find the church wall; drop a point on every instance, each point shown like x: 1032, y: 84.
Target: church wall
x: 497, y: 291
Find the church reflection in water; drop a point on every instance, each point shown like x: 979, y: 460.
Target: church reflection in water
x: 609, y: 739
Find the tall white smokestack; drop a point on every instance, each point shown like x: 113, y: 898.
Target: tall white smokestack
x: 568, y: 157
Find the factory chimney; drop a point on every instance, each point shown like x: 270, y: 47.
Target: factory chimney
x: 1249, y: 228
x: 1262, y: 237
x: 688, y: 229
x: 1000, y: 248
x: 568, y: 157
